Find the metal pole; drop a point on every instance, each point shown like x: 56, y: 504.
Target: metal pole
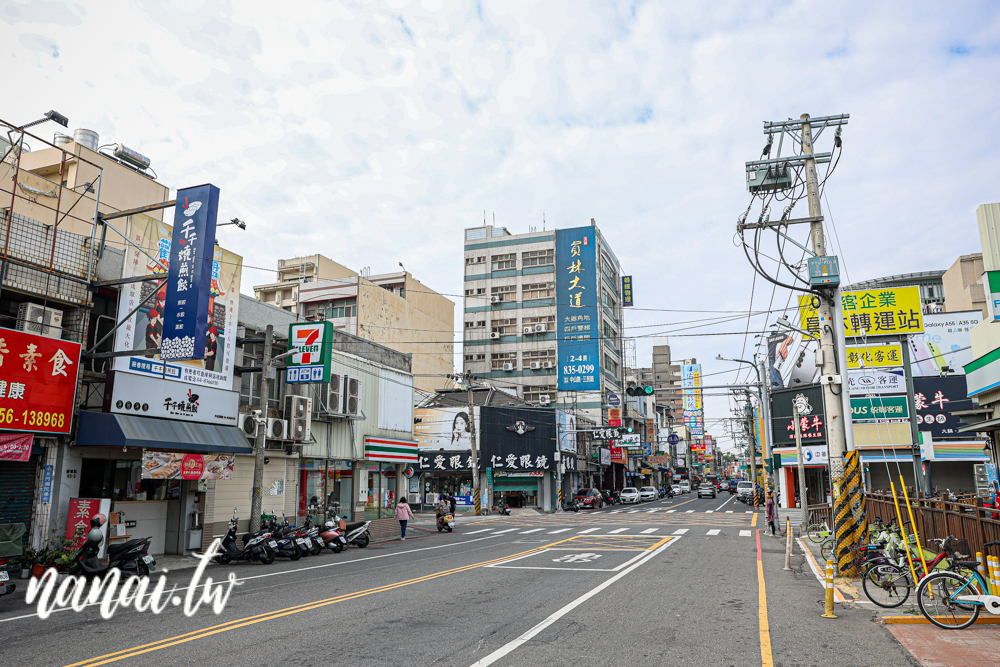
x: 559, y: 467
x: 258, y: 469
x: 803, y: 503
x: 476, y: 500
x: 914, y: 431
x: 753, y: 453
x: 765, y: 413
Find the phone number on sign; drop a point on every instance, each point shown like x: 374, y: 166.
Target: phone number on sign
x: 578, y: 370
x: 32, y: 418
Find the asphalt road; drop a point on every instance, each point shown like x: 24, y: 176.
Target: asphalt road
x: 669, y: 582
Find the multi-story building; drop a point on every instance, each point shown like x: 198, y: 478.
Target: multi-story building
x: 667, y: 382
x: 393, y: 309
x: 535, y: 321
x: 963, y: 287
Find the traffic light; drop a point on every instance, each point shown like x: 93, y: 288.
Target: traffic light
x: 629, y: 429
x: 644, y: 390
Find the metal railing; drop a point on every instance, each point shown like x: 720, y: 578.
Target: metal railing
x: 937, y: 518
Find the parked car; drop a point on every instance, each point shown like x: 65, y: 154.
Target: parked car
x: 648, y: 494
x: 629, y: 494
x: 706, y: 490
x: 685, y: 486
x: 589, y: 499
x: 676, y: 489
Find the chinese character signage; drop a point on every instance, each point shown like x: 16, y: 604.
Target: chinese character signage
x: 189, y: 276
x: 873, y: 382
x: 627, y: 291
x: 694, y: 415
x: 37, y: 382
x: 168, y: 465
x: 577, y: 316
x: 81, y: 510
x: 313, y: 345
x: 531, y: 446
x: 152, y: 255
x: 430, y: 460
x: 130, y: 394
x: 879, y: 408
x: 614, y: 417
x: 936, y: 399
x: 16, y: 448
x: 812, y: 425
x: 875, y: 356
x: 890, y: 311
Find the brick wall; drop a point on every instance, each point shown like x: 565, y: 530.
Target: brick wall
x: 384, y: 529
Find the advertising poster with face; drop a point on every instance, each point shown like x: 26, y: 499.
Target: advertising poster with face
x: 449, y: 429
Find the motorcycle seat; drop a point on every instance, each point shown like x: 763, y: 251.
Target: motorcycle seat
x: 355, y: 525
x: 116, y: 549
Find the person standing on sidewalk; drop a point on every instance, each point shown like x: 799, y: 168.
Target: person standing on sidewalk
x: 769, y: 509
x: 403, y: 514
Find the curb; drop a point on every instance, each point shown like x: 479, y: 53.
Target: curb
x: 915, y: 620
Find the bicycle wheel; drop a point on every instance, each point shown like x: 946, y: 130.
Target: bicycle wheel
x: 826, y: 551
x: 887, y: 586
x: 819, y: 532
x: 936, y: 599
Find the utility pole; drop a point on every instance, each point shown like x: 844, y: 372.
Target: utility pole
x: 752, y: 442
x: 477, y: 502
x: 258, y: 469
x: 799, y: 409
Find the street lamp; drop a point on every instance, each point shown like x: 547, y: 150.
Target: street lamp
x: 235, y: 221
x: 54, y: 116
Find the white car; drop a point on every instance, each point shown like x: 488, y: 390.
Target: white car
x: 677, y: 489
x: 685, y: 487
x: 648, y: 493
x: 629, y: 495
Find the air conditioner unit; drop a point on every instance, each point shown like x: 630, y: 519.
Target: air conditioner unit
x: 352, y: 396
x: 496, y: 298
x: 277, y: 429
x: 541, y: 328
x: 335, y: 395
x: 494, y: 335
x: 298, y: 411
x: 413, y: 498
x: 527, y: 330
x: 535, y: 365
x: 37, y: 319
x: 548, y: 364
x: 545, y: 399
x: 433, y: 498
x: 508, y: 366
x: 248, y: 423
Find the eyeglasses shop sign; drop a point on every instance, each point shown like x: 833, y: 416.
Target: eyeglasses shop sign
x: 152, y: 397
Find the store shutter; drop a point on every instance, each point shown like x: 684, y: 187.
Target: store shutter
x: 17, y: 492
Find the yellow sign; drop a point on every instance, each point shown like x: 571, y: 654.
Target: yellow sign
x: 875, y: 356
x: 877, y: 312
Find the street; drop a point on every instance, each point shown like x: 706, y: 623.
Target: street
x: 666, y: 582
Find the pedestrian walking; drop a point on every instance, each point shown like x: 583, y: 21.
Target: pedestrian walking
x: 452, y: 501
x: 403, y: 514
x: 769, y: 509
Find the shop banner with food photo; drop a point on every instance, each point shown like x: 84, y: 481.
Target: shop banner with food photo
x: 169, y: 465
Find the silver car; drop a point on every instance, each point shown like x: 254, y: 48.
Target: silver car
x: 648, y: 493
x: 629, y: 494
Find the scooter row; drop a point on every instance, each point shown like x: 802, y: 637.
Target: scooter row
x: 293, y: 542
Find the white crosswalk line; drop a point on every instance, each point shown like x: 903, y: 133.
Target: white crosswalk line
x: 689, y: 512
x: 618, y: 530
x: 681, y: 531
x: 709, y: 511
x: 556, y: 532
x: 729, y: 511
x: 483, y: 530
x: 500, y: 532
x: 650, y: 511
x: 535, y: 530
x: 649, y: 530
x: 671, y: 511
x: 633, y: 511
x: 589, y: 530
x: 745, y: 533
x: 713, y: 532
x: 749, y: 512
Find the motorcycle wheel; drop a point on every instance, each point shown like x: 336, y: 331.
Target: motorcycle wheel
x: 266, y: 556
x: 223, y: 558
x: 440, y: 528
x: 315, y: 549
x: 363, y: 540
x: 336, y: 547
x: 296, y: 554
x: 449, y: 529
x: 141, y: 569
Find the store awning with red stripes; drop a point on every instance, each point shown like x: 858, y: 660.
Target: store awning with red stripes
x: 390, y: 451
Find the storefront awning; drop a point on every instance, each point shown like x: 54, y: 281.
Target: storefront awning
x: 102, y: 429
x: 516, y: 484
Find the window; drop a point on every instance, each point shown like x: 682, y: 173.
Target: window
x: 475, y: 260
x: 502, y: 262
x: 475, y: 357
x: 342, y: 308
x: 473, y: 325
x: 503, y: 289
x: 541, y: 319
x: 508, y: 326
x: 609, y: 332
x: 537, y: 291
x: 537, y: 257
x: 610, y: 365
x: 498, y: 359
x: 608, y: 269
x: 534, y: 393
x: 476, y: 291
x: 311, y: 312
x: 538, y: 355
x: 608, y: 298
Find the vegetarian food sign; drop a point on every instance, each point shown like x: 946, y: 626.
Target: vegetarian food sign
x: 37, y: 382
x: 169, y: 465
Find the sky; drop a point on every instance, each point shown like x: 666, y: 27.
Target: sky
x: 374, y: 133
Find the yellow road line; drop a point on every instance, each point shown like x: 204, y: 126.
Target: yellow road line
x: 766, y: 659
x: 754, y: 522
x: 251, y: 620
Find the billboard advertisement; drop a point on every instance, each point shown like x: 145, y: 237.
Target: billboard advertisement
x: 449, y: 429
x: 189, y: 274
x: 627, y: 291
x: 869, y: 383
x: 313, y: 345
x: 37, y: 382
x: 577, y: 315
x: 694, y: 414
x: 144, y: 328
x: 168, y: 465
x: 875, y: 356
x: 946, y: 341
x: 126, y: 393
x: 936, y: 399
x: 812, y: 425
x: 567, y: 427
x: 879, y: 312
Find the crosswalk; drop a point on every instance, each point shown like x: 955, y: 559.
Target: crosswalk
x: 666, y: 511
x: 590, y: 531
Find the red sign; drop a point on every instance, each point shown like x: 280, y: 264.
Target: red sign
x: 15, y: 447
x: 617, y: 454
x: 614, y: 417
x: 80, y: 512
x: 192, y: 466
x: 37, y: 382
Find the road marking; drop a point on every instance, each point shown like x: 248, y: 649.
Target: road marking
x: 280, y: 613
x: 729, y: 511
x: 709, y: 511
x: 749, y: 512
x: 754, y: 522
x: 483, y: 530
x: 556, y: 532
x: 681, y: 531
x: 633, y: 511
x: 766, y: 659
x: 689, y: 512
x: 745, y: 533
x: 618, y: 530
x: 713, y: 532
x: 652, y: 511
x: 535, y: 530
x: 589, y: 530
x: 501, y: 532
x: 724, y: 504
x: 527, y: 636
x: 671, y: 511
x: 649, y: 530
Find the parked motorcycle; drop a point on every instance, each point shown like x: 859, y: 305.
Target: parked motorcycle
x: 310, y: 533
x: 333, y: 537
x: 571, y: 506
x: 283, y: 536
x: 256, y: 546
x: 5, y: 588
x: 131, y: 557
x: 445, y: 521
x: 503, y: 508
x: 357, y: 533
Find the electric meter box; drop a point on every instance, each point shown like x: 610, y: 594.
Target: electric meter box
x: 769, y: 178
x: 824, y: 272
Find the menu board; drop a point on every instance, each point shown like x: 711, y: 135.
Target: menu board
x: 170, y: 465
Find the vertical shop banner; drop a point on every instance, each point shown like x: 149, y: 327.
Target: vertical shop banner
x: 627, y: 291
x: 143, y: 330
x: 37, y: 382
x: 694, y: 414
x: 78, y: 519
x: 578, y: 319
x: 189, y: 276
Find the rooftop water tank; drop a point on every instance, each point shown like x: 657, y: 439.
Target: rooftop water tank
x: 86, y: 138
x: 135, y: 158
x: 61, y: 139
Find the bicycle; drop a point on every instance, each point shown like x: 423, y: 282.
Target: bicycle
x: 888, y: 584
x: 819, y: 532
x: 953, y: 600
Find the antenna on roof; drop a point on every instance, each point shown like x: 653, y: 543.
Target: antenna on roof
x: 484, y: 217
x: 543, y: 221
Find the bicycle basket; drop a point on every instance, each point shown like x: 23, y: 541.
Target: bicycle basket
x: 958, y: 549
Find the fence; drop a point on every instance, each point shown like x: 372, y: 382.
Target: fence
x: 936, y: 518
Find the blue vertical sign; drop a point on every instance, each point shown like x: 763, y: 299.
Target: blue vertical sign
x: 47, y: 485
x: 577, y: 316
x: 626, y: 291
x: 189, y: 275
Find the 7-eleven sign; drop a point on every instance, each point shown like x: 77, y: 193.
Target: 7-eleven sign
x: 312, y: 343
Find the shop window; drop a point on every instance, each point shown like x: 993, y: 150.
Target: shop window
x: 122, y: 480
x: 381, y: 491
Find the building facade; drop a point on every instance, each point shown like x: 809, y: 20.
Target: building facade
x: 963, y: 287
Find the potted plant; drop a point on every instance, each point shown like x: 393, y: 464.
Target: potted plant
x: 27, y: 559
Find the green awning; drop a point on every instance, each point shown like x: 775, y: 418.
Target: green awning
x: 516, y: 485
